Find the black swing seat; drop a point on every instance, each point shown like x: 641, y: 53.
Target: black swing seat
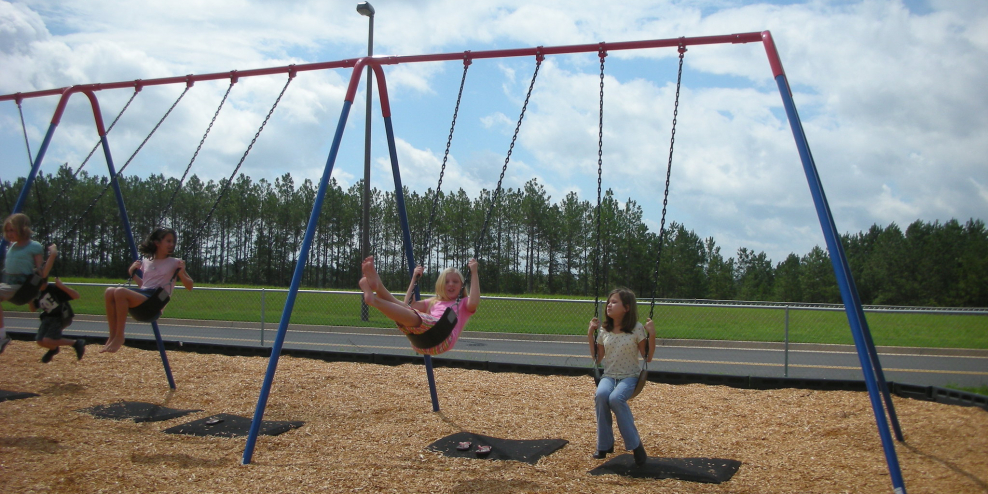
x: 642, y: 377
x: 28, y: 290
x: 437, y: 333
x: 150, y: 309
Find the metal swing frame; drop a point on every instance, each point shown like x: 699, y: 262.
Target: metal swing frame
x: 877, y: 386
x: 874, y: 376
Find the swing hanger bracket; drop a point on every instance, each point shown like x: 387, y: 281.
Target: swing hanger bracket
x: 539, y: 56
x: 234, y: 78
x: 292, y: 71
x: 138, y: 85
x: 467, y: 59
x: 602, y: 51
x: 18, y: 98
x: 189, y: 81
x: 682, y: 45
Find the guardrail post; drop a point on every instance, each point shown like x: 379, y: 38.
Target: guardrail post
x: 786, y: 351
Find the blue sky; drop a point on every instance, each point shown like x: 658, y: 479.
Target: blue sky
x: 891, y: 95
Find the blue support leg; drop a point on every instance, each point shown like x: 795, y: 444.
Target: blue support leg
x: 164, y: 355
x: 133, y: 251
x: 430, y: 375
x: 852, y: 304
x: 880, y: 377
x: 286, y: 315
x: 407, y: 239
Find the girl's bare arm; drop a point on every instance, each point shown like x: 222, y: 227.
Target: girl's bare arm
x: 184, y: 276
x: 594, y: 346
x: 410, y: 293
x: 473, y: 301
x: 132, y: 272
x: 62, y: 286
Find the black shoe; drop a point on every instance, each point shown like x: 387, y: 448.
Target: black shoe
x: 50, y: 354
x: 80, y: 348
x: 601, y: 454
x: 3, y: 343
x: 640, y: 455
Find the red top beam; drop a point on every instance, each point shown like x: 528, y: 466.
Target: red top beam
x: 561, y: 50
x: 393, y: 60
x: 189, y: 79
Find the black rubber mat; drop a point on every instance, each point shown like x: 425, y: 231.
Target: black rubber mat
x: 138, y: 411
x: 527, y: 451
x: 226, y: 425
x: 15, y: 395
x: 706, y: 470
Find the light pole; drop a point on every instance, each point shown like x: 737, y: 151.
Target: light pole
x: 366, y: 9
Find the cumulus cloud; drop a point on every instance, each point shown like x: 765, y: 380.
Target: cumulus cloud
x: 891, y: 100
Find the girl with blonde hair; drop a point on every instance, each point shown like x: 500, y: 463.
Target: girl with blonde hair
x: 452, y: 303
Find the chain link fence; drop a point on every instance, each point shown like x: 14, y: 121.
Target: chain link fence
x: 674, y: 319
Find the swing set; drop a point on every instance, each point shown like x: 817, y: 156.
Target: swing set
x: 874, y: 377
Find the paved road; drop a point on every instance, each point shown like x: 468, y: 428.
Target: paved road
x: 922, y: 367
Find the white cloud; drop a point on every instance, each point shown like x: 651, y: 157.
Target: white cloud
x: 498, y: 120
x: 892, y: 101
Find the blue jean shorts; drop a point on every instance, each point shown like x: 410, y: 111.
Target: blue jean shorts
x: 147, y: 292
x: 51, y: 328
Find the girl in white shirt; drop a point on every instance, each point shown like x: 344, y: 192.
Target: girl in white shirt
x: 618, y: 347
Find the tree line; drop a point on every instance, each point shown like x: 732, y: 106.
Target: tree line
x: 527, y: 243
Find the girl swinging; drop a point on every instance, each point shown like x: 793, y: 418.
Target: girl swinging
x: 158, y: 269
x: 418, y: 317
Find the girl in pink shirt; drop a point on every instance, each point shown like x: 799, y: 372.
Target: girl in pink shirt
x: 158, y: 269
x: 419, y: 316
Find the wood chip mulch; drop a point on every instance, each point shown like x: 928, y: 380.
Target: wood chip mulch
x: 367, y: 426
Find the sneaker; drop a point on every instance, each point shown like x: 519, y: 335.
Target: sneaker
x: 50, y: 354
x: 80, y: 348
x: 640, y: 456
x: 3, y: 343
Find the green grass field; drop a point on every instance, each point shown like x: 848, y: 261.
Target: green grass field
x: 570, y: 317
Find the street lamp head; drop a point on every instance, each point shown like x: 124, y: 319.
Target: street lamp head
x: 365, y: 8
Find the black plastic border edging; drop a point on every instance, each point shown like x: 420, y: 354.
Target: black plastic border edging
x: 924, y: 393
x: 955, y: 397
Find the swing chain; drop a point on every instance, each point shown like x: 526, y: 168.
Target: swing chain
x: 24, y: 128
x: 155, y: 129
x: 665, y: 197
x: 600, y: 165
x: 226, y: 185
x: 109, y: 182
x: 171, y: 202
x: 449, y: 142
x: 497, y: 191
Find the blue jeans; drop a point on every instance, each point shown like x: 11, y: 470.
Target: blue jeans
x: 612, y: 396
